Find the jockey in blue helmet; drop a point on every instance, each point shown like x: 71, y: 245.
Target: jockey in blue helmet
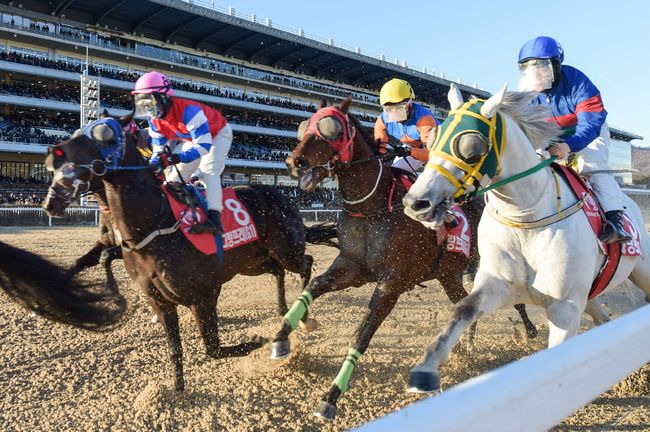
x: 577, y: 108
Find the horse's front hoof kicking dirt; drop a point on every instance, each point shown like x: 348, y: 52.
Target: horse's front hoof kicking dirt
x: 280, y: 350
x: 325, y: 411
x: 423, y: 382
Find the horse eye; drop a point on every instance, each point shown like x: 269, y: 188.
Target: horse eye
x: 470, y: 147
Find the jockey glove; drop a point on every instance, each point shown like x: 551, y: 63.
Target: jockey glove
x: 163, y: 160
x: 402, y: 151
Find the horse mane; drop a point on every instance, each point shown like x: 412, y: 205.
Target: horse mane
x: 532, y: 119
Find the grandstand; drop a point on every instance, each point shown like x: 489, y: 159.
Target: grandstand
x: 264, y: 78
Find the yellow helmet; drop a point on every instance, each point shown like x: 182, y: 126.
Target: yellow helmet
x: 395, y: 91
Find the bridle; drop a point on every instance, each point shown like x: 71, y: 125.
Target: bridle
x: 340, y: 142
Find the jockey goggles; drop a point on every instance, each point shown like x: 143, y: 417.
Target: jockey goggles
x: 397, y: 112
x: 148, y: 105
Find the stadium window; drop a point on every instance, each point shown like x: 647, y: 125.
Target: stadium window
x: 39, y: 172
x: 29, y: 52
x: 14, y: 170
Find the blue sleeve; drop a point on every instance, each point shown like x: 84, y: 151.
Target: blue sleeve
x: 197, y: 125
x: 590, y: 112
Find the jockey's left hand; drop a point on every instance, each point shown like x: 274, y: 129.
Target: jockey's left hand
x: 162, y: 161
x: 561, y: 150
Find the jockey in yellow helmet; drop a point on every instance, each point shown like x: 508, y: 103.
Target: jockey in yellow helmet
x: 406, y: 121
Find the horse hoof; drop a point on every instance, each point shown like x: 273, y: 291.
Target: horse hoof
x: 532, y: 333
x: 325, y: 411
x: 280, y: 349
x: 309, y: 325
x: 154, y: 319
x: 423, y: 382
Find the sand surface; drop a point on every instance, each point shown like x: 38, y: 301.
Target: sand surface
x: 57, y: 378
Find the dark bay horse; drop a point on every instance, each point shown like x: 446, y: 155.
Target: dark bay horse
x: 378, y: 242
x: 169, y: 270
x: 107, y: 247
x: 42, y: 287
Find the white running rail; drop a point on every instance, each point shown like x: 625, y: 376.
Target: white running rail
x: 537, y: 392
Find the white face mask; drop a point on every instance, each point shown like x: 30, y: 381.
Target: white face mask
x: 397, y: 113
x: 536, y: 75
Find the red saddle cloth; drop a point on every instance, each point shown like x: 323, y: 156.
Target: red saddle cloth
x: 239, y: 228
x: 594, y: 213
x: 459, y: 238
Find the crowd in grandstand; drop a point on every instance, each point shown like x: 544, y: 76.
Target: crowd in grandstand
x: 121, y: 100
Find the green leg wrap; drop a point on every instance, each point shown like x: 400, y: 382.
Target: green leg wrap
x: 298, y: 309
x: 343, y: 378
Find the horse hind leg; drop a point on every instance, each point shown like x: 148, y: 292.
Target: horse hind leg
x: 204, y: 310
x: 597, y: 312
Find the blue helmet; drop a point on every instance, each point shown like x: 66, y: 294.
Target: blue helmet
x: 542, y: 47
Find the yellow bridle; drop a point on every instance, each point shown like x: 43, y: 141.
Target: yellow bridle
x: 442, y: 146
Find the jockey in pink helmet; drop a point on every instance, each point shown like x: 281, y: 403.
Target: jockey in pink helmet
x: 198, y: 136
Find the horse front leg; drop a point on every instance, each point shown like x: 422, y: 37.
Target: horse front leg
x: 168, y: 316
x: 381, y: 304
x: 342, y: 273
x: 563, y: 320
x: 89, y: 259
x: 490, y: 293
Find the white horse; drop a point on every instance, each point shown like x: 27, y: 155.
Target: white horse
x: 531, y: 251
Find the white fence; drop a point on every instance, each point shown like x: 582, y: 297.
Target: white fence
x: 537, y: 392
x: 30, y: 216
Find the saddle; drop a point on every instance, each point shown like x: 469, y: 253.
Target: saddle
x: 188, y: 205
x: 596, y: 216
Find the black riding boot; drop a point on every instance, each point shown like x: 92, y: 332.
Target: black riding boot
x: 613, y: 232
x: 212, y: 225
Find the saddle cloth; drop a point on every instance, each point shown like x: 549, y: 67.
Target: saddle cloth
x: 595, y: 215
x: 459, y: 238
x: 238, y: 225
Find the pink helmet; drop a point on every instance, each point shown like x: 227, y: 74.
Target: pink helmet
x: 153, y: 82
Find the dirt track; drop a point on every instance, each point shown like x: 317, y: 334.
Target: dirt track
x: 56, y: 378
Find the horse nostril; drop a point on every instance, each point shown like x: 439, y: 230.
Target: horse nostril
x: 300, y: 162
x: 420, y: 205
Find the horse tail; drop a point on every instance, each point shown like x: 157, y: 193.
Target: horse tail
x: 322, y: 233
x: 41, y: 286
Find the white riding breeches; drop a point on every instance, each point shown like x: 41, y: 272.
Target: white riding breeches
x: 209, y: 166
x: 595, y: 157
x: 409, y: 163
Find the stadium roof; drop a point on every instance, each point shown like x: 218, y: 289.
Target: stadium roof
x: 224, y: 33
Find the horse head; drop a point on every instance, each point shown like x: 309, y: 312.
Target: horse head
x: 326, y: 140
x: 78, y: 164
x: 464, y: 153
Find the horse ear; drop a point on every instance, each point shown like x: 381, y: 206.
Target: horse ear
x: 455, y: 96
x: 491, y: 106
x: 302, y: 128
x: 323, y: 103
x: 345, y: 106
x: 104, y: 114
x: 126, y: 120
